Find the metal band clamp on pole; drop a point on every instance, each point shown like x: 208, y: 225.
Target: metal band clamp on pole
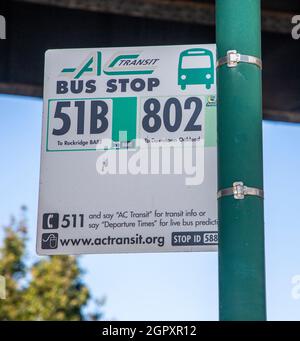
x: 239, y: 190
x: 233, y: 58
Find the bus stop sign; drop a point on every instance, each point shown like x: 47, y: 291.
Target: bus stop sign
x: 128, y: 155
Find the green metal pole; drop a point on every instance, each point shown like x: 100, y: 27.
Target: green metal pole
x: 241, y: 222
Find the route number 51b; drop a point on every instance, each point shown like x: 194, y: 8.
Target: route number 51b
x: 73, y: 113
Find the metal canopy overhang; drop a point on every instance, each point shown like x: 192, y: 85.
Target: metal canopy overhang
x: 34, y: 26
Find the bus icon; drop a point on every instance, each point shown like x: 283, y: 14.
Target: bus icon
x: 196, y: 66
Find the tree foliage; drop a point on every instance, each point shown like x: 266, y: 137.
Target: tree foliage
x: 50, y: 289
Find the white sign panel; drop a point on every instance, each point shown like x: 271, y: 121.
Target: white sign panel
x: 128, y: 155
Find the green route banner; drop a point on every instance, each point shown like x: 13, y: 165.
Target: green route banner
x: 128, y: 154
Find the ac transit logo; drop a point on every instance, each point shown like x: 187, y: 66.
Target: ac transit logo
x: 90, y: 65
x: 130, y: 64
x: 2, y: 27
x: 119, y: 64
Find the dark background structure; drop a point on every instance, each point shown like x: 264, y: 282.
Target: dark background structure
x: 34, y: 26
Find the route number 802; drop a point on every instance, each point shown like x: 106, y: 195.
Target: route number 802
x: 170, y: 114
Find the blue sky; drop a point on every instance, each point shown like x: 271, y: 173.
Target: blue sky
x: 177, y: 286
